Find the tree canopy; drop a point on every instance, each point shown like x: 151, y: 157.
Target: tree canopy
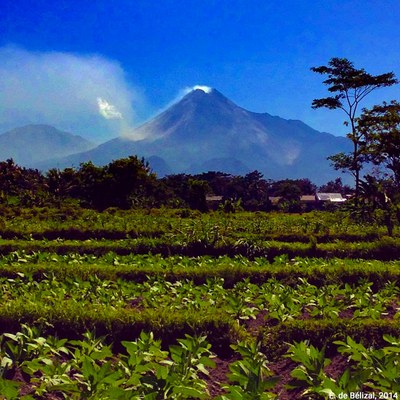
x: 349, y: 87
x: 380, y: 127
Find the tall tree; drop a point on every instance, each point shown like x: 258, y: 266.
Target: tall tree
x: 349, y: 87
x: 381, y: 129
x: 380, y: 192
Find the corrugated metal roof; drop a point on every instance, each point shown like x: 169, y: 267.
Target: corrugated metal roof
x: 333, y: 197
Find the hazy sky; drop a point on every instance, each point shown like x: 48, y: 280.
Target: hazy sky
x: 98, y: 68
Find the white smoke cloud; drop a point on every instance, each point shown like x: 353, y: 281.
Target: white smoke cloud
x: 205, y: 89
x: 83, y: 94
x: 107, y: 110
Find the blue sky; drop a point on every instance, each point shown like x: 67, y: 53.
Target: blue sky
x: 99, y: 68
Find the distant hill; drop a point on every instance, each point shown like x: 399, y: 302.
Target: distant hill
x: 30, y: 144
x: 206, y: 131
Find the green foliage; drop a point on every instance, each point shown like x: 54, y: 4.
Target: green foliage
x: 231, y: 206
x: 9, y: 390
x: 251, y: 375
x: 368, y: 369
x: 381, y: 129
x: 349, y: 87
x: 377, y: 369
x: 323, y: 332
x: 310, y: 374
x: 89, y: 370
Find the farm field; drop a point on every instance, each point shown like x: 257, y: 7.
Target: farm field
x: 175, y: 304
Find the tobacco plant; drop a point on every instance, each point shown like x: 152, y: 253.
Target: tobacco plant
x: 251, y: 375
x: 377, y: 369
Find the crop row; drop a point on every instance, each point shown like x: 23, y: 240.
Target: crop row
x: 207, y: 234
x: 139, y: 268
x: 88, y: 368
x: 172, y: 308
x: 116, y: 224
x: 386, y: 248
x: 244, y: 301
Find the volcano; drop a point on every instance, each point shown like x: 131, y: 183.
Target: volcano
x: 207, y: 131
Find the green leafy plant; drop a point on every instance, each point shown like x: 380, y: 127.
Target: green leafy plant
x: 251, y: 375
x: 309, y: 375
x: 377, y: 369
x: 191, y: 357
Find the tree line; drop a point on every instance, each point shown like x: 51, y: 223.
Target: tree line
x: 130, y: 183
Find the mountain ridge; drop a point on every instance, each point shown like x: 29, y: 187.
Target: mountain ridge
x: 34, y: 143
x: 207, y: 129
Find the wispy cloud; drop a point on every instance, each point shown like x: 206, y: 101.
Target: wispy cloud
x: 85, y: 94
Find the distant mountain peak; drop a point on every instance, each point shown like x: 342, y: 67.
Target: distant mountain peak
x: 34, y: 143
x: 207, y: 97
x: 206, y: 130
